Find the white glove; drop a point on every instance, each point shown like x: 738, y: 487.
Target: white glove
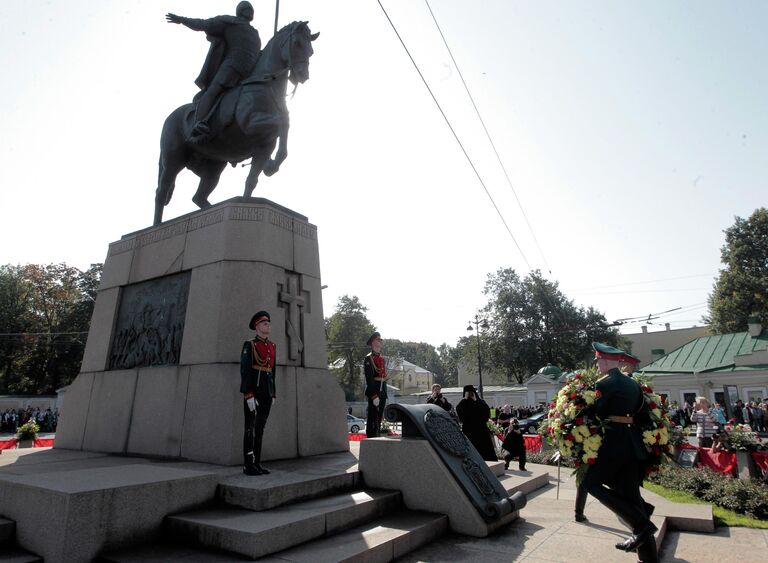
x: 251, y: 401
x: 376, y: 402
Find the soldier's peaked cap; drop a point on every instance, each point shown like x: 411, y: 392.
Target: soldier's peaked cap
x: 611, y: 353
x: 373, y: 337
x: 257, y: 318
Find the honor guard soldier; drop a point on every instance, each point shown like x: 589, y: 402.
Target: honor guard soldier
x: 617, y: 474
x: 375, y: 385
x: 257, y: 384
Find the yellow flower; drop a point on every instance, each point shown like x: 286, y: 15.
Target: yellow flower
x: 649, y: 437
x: 589, y: 397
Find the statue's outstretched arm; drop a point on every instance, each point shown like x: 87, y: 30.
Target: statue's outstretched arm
x: 211, y: 26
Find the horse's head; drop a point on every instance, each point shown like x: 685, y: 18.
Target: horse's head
x: 295, y: 50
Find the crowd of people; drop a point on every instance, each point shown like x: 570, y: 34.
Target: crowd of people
x: 710, y: 420
x: 46, y: 419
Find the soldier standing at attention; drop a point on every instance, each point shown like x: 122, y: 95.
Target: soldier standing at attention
x: 375, y: 385
x: 616, y: 476
x: 257, y: 384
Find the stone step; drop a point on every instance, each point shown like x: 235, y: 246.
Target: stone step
x: 380, y: 541
x: 383, y: 540
x: 7, y: 531
x: 169, y: 553
x: 11, y: 554
x: 527, y: 481
x: 496, y: 467
x: 255, y: 534
x: 287, y: 484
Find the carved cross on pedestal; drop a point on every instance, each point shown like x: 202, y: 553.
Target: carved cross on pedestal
x: 295, y: 303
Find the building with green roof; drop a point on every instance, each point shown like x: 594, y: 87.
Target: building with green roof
x: 715, y: 367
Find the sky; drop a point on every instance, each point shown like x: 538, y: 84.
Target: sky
x: 632, y: 134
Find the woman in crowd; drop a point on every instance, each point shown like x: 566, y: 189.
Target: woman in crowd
x: 705, y: 423
x: 718, y: 415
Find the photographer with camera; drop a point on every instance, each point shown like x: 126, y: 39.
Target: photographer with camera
x: 436, y: 398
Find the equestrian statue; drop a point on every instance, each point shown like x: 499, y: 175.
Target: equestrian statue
x: 240, y: 112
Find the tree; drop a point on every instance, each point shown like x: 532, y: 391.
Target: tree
x: 420, y: 353
x: 741, y: 289
x: 449, y: 359
x: 531, y: 323
x: 45, y: 313
x: 347, y: 331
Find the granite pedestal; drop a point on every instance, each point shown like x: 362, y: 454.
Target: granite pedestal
x: 174, y: 392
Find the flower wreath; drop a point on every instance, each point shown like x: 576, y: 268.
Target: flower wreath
x: 578, y: 435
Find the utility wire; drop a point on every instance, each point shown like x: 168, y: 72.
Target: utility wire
x: 447, y: 121
x: 490, y: 139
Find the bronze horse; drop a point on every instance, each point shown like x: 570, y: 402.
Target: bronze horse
x: 247, y: 121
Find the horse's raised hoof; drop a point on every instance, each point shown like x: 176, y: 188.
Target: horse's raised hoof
x: 270, y: 167
x: 202, y: 204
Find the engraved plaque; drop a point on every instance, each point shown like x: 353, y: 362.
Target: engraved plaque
x: 150, y: 323
x: 446, y: 433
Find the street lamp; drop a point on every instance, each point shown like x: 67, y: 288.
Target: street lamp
x: 478, y: 325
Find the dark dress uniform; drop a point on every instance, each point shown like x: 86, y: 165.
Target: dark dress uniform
x: 257, y: 380
x: 474, y: 416
x: 375, y: 387
x: 616, y: 476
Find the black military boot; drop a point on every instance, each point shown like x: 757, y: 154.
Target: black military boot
x: 249, y: 467
x: 201, y: 133
x: 257, y: 457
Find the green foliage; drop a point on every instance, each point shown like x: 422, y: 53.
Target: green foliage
x: 28, y: 430
x: 449, y: 360
x: 347, y: 331
x: 677, y: 436
x: 532, y: 323
x: 45, y: 312
x: 744, y: 496
x: 742, y: 287
x: 740, y: 437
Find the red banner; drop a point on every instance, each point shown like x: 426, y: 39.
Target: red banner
x: 532, y: 443
x: 8, y: 444
x: 761, y: 460
x: 722, y: 462
x: 37, y: 443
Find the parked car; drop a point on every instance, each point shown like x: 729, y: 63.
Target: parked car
x: 354, y: 424
x: 530, y: 425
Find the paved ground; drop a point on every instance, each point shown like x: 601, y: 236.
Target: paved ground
x: 546, y: 532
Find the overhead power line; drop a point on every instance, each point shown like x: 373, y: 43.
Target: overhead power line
x: 455, y: 136
x: 488, y: 135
